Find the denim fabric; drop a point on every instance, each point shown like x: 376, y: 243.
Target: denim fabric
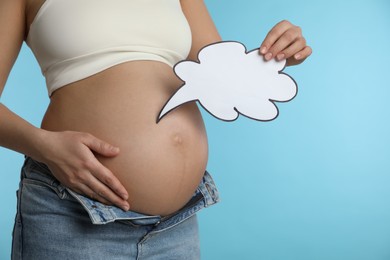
x: 53, y: 222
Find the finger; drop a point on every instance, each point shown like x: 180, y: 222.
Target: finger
x: 106, y: 177
x: 288, y: 38
x: 84, y: 189
x: 100, y: 146
x: 101, y: 192
x: 299, y: 57
x: 294, y: 48
x: 303, y: 54
x: 273, y: 35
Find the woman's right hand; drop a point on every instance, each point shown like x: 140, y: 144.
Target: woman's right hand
x: 70, y: 157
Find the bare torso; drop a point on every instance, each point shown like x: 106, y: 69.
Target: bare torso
x: 161, y: 164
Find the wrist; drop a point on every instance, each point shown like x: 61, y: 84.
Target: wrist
x: 40, y: 144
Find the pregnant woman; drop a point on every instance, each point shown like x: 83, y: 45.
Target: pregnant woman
x: 101, y: 179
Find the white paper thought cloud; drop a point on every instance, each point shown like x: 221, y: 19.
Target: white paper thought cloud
x: 229, y: 81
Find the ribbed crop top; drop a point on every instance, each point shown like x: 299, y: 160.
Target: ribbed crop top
x: 74, y: 39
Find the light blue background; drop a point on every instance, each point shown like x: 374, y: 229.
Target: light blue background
x: 312, y: 185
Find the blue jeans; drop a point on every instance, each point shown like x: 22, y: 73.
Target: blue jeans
x: 53, y: 222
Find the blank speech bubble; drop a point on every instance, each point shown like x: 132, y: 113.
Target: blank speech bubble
x: 229, y: 81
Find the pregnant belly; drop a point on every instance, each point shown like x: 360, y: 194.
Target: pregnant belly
x: 161, y: 164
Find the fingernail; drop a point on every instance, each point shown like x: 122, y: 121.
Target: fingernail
x: 297, y: 56
x: 125, y: 207
x: 124, y: 196
x: 263, y: 50
x: 268, y: 56
x: 115, y: 149
x: 280, y: 56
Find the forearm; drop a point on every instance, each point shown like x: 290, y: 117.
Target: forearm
x: 19, y: 135
x: 202, y: 26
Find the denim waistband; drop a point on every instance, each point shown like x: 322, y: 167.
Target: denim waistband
x: 205, y: 195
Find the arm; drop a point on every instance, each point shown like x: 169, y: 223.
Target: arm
x: 284, y: 41
x: 68, y: 154
x: 202, y: 27
x: 15, y: 133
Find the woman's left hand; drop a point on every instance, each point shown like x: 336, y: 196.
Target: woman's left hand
x: 285, y: 41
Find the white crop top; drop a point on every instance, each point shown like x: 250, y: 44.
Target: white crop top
x: 74, y: 39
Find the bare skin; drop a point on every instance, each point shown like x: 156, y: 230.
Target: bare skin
x: 160, y: 165
x: 99, y: 136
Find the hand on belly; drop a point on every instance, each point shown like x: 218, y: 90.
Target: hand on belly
x: 160, y: 165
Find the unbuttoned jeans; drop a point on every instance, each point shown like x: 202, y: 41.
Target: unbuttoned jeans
x: 53, y: 222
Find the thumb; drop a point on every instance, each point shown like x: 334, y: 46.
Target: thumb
x: 101, y: 147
